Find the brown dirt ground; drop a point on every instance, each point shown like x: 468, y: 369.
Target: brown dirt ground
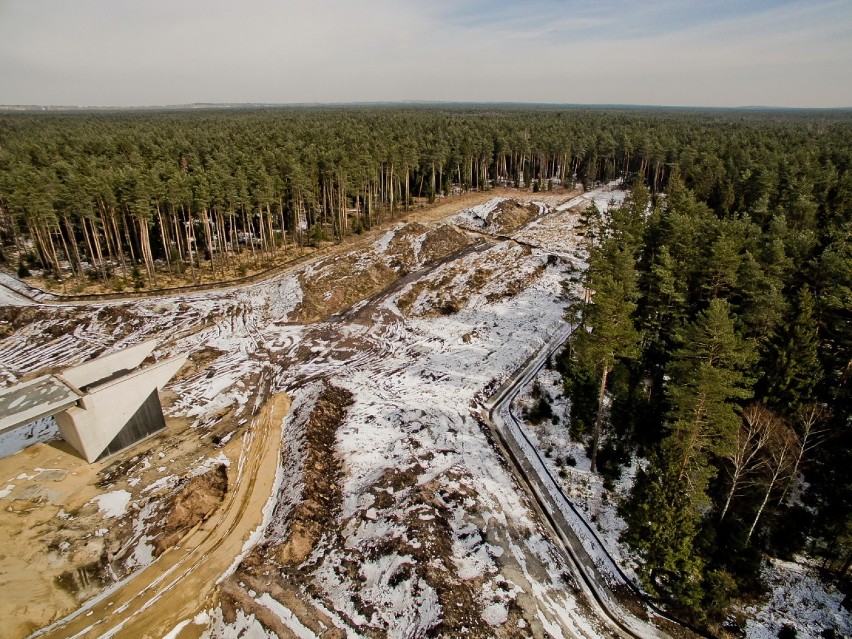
x: 52, y: 559
x: 291, y: 255
x: 195, y: 501
x: 314, y: 516
x: 340, y: 285
x: 321, y: 475
x: 510, y: 215
x: 336, y: 283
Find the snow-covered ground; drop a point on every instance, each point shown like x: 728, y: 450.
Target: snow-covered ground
x: 800, y: 601
x: 567, y: 462
x: 429, y: 516
x: 415, y: 381
x: 429, y: 513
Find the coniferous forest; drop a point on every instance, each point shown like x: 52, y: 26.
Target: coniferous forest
x: 716, y: 343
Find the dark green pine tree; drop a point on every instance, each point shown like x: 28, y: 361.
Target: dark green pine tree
x: 707, y: 377
x: 796, y: 368
x: 661, y: 529
x: 608, y: 333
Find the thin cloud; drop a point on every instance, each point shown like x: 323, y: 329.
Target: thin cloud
x: 129, y: 52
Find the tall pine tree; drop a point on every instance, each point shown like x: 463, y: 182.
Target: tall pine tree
x: 706, y: 379
x: 608, y: 333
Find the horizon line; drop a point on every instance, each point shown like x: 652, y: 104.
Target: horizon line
x: 237, y: 105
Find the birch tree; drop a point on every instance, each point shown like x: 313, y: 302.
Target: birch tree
x: 752, y: 438
x: 781, y: 455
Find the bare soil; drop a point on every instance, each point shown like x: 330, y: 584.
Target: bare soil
x: 339, y: 282
x: 60, y: 549
x: 321, y: 476
x: 182, y: 580
x: 195, y: 501
x: 336, y: 283
x: 510, y: 215
x: 290, y: 255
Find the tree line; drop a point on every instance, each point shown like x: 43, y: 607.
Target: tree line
x: 716, y: 340
x: 100, y: 195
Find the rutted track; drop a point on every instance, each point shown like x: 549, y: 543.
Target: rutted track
x: 551, y: 502
x: 597, y: 593
x: 175, y: 586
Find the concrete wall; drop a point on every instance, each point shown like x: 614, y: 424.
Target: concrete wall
x: 106, y: 409
x: 103, y: 367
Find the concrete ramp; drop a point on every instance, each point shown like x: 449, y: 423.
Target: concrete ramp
x: 104, y: 410
x: 102, y: 368
x: 100, y: 406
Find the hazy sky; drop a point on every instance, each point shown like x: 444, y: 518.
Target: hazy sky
x: 673, y: 52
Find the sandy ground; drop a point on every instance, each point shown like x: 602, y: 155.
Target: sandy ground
x: 43, y: 482
x: 180, y: 582
x: 46, y: 566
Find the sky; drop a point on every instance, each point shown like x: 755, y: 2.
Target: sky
x: 788, y: 53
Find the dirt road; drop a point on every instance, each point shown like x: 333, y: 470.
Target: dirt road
x: 14, y: 292
x: 181, y: 581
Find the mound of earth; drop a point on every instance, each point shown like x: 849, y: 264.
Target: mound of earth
x: 415, y: 245
x: 336, y: 283
x: 511, y: 215
x: 401, y: 253
x: 441, y: 242
x: 321, y: 478
x: 190, y: 505
x: 498, y: 217
x: 339, y: 282
x: 472, y: 280
x: 296, y: 528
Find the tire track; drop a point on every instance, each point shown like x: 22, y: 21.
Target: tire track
x: 179, y: 583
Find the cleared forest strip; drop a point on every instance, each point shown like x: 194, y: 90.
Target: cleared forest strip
x: 179, y: 583
x: 450, y: 206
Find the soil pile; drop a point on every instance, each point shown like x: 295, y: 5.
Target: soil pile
x: 497, y: 273
x: 401, y: 253
x: 321, y: 477
x: 189, y: 506
x: 510, y: 215
x: 338, y: 282
x: 314, y: 516
x: 441, y: 242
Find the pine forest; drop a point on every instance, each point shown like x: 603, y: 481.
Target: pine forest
x: 715, y: 342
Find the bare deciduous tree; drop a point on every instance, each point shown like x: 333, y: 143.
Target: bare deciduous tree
x: 810, y: 417
x: 778, y: 463
x: 752, y: 437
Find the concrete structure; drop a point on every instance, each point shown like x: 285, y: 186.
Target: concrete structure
x: 30, y: 401
x: 100, y: 406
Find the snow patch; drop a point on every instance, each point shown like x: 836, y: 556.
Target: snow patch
x: 286, y: 616
x: 112, y: 504
x: 800, y: 600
